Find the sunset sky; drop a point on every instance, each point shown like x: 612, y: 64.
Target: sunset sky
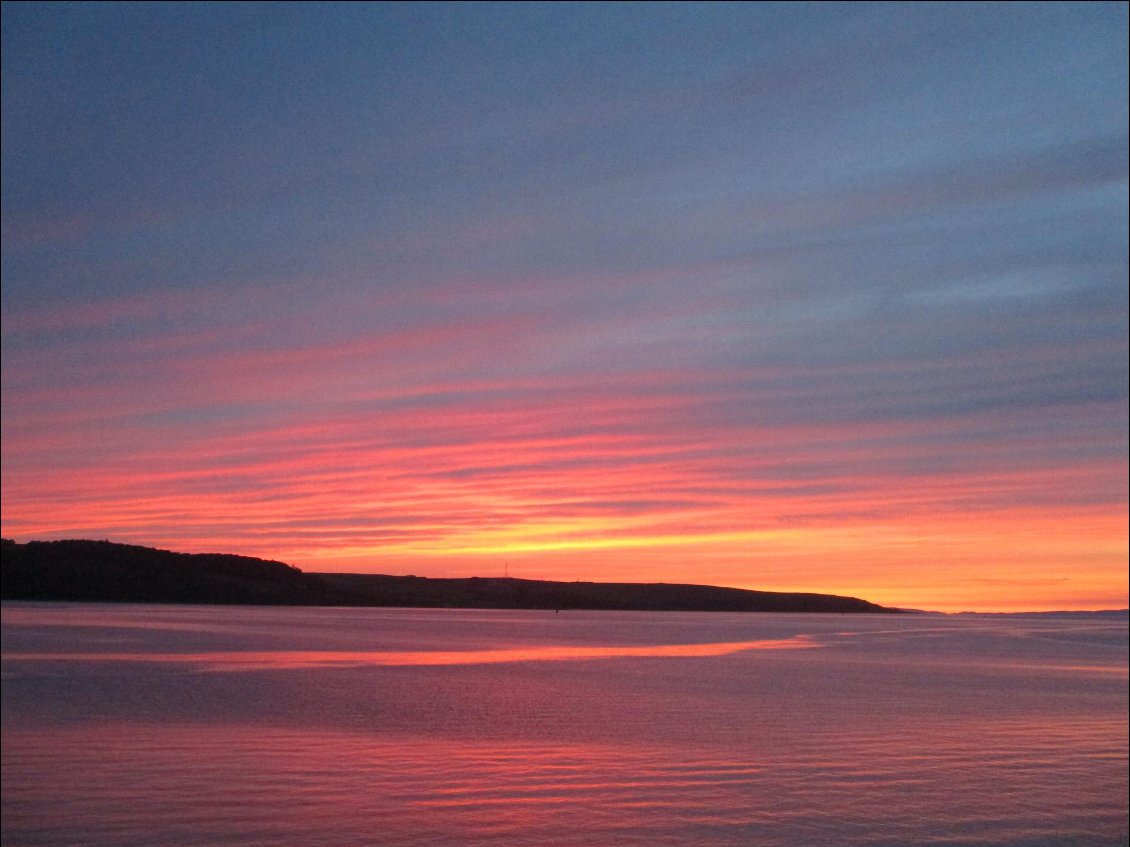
x: 791, y: 297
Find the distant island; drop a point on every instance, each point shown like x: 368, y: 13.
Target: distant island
x: 102, y: 571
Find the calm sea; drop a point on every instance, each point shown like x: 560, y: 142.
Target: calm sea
x: 177, y: 725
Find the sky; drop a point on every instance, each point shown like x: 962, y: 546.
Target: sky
x: 795, y: 297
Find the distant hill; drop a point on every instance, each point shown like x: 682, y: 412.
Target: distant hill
x: 101, y: 571
x: 505, y: 593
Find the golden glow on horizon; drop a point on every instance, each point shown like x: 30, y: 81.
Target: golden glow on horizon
x: 429, y: 493
x: 539, y: 539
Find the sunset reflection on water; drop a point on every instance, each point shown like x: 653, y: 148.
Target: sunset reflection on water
x: 279, y: 660
x: 466, y: 728
x: 158, y: 784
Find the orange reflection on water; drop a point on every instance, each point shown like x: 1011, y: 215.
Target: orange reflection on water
x: 283, y: 659
x: 262, y: 785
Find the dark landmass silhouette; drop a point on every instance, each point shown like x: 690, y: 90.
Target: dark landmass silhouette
x: 510, y: 593
x: 102, y: 571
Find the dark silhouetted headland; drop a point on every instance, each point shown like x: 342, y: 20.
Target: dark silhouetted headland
x: 101, y: 571
x: 509, y: 593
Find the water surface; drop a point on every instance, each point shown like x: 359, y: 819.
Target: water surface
x: 167, y: 725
